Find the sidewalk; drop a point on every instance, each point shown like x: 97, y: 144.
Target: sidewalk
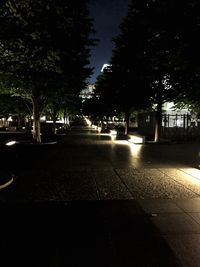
x: 84, y: 202
x: 178, y: 221
x: 103, y: 233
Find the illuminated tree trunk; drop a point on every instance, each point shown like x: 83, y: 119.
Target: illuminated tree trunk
x: 54, y: 120
x: 66, y: 119
x: 127, y: 118
x: 36, y: 120
x: 158, y: 123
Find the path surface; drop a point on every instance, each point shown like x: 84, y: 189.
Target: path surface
x: 102, y: 202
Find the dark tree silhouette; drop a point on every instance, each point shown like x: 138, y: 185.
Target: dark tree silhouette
x: 44, y: 48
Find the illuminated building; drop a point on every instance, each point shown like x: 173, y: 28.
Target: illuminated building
x: 87, y: 92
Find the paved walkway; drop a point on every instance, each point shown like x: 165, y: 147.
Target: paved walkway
x: 96, y: 202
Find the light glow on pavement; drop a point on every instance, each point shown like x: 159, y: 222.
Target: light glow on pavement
x: 113, y: 132
x: 135, y: 150
x: 194, y: 173
x: 113, y: 137
x: 99, y: 129
x: 121, y: 142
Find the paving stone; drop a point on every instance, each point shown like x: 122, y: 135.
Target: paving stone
x: 186, y: 247
x: 156, y: 206
x: 110, y: 186
x: 151, y: 183
x: 176, y: 223
x: 189, y: 205
x: 183, y: 178
x: 195, y: 216
x: 136, y: 182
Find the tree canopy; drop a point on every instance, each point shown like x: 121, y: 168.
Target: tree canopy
x: 156, y: 57
x: 44, y: 48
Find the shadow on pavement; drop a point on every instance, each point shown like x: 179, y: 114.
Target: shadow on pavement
x: 81, y: 233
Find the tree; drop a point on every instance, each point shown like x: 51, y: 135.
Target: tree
x: 128, y: 63
x: 44, y: 48
x: 13, y: 106
x: 186, y: 76
x: 63, y: 103
x: 105, y: 94
x: 161, y: 49
x: 149, y: 51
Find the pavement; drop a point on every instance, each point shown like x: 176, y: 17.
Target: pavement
x: 93, y: 201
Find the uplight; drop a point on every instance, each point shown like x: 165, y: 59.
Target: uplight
x: 89, y: 123
x: 94, y: 127
x: 136, y: 139
x: 11, y: 143
x: 113, y: 132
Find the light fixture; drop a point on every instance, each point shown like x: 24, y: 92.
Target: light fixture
x: 11, y: 143
x: 113, y: 132
x: 136, y: 139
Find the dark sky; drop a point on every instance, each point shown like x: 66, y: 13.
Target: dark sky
x: 107, y: 15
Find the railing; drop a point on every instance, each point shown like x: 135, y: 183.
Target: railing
x: 180, y: 127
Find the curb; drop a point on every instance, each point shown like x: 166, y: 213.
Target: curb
x: 6, y: 183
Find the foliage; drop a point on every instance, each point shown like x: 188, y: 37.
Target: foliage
x: 186, y: 76
x: 44, y: 48
x: 12, y: 106
x: 153, y: 54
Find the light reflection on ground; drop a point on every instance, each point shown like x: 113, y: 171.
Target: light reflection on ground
x: 135, y: 150
x: 194, y: 173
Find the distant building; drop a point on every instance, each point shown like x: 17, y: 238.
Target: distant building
x: 106, y: 68
x: 87, y: 92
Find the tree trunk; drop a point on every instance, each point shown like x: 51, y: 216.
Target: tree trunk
x: 54, y: 120
x: 127, y: 118
x: 66, y: 119
x: 28, y: 123
x: 158, y: 123
x: 36, y: 121
x: 54, y: 125
x: 19, y: 122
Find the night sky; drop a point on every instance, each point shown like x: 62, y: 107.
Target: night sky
x: 107, y: 15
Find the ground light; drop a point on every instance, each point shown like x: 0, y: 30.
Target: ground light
x: 113, y: 132
x: 136, y: 139
x: 89, y: 123
x: 94, y: 127
x: 11, y: 143
x: 135, y: 149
